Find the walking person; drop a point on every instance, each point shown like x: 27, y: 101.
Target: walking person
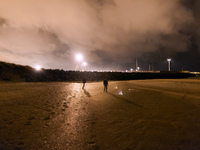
x: 84, y: 81
x: 105, y: 83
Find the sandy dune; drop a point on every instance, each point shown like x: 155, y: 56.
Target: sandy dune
x: 141, y: 114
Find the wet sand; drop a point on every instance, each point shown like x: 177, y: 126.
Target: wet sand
x: 140, y: 114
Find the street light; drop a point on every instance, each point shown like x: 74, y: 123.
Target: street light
x: 169, y: 60
x: 79, y: 58
x: 38, y: 67
x: 84, y: 64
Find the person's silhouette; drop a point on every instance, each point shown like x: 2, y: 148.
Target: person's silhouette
x: 105, y: 83
x: 84, y: 81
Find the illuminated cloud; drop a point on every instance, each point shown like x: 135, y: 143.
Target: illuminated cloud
x: 108, y: 32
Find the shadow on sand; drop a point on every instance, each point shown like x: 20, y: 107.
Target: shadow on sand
x: 87, y: 93
x: 119, y: 97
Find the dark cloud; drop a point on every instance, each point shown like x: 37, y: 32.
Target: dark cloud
x: 109, y: 33
x: 102, y: 60
x: 59, y: 48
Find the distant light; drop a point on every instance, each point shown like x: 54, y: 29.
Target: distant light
x: 84, y: 64
x: 79, y: 57
x: 138, y: 68
x: 38, y: 67
x: 131, y: 69
x: 169, y: 59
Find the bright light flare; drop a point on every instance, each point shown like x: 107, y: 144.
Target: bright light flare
x: 84, y: 64
x: 79, y: 57
x: 38, y: 67
x: 169, y: 59
x: 121, y: 93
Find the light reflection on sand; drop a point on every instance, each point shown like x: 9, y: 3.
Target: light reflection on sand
x: 77, y: 118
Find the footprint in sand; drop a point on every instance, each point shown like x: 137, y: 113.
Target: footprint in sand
x: 28, y: 123
x: 65, y: 106
x: 47, y: 118
x: 10, y: 122
x: 19, y: 146
x: 31, y: 118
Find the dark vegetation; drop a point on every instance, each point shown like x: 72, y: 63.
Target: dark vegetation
x: 19, y: 73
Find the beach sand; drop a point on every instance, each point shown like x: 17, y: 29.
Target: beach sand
x: 132, y: 115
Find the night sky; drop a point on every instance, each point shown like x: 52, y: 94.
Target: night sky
x: 110, y: 34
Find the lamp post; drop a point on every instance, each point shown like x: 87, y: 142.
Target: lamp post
x: 169, y: 60
x: 84, y: 64
x: 79, y: 58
